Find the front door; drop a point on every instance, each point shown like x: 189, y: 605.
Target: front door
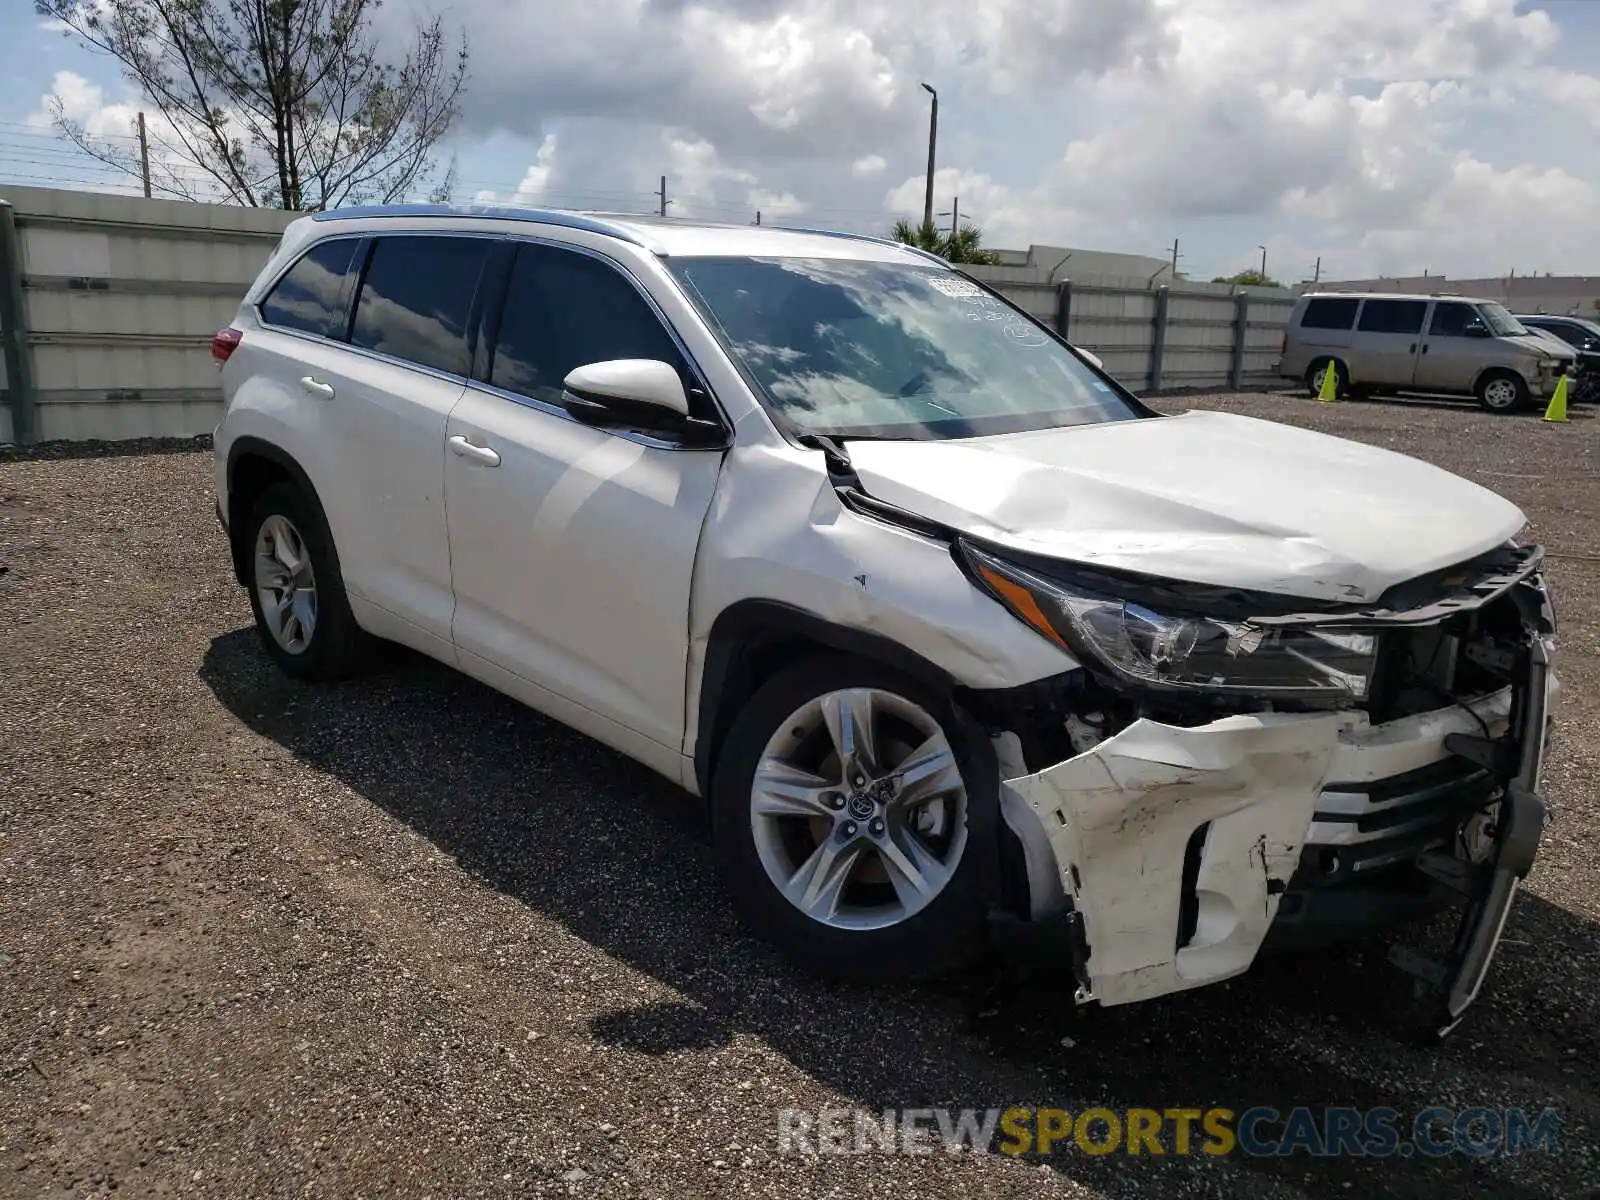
x: 1456, y: 348
x: 1384, y: 350
x: 573, y: 547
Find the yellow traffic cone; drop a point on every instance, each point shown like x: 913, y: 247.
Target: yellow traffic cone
x: 1329, y: 391
x: 1557, y: 411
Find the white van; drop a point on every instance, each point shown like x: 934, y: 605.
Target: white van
x: 1384, y: 342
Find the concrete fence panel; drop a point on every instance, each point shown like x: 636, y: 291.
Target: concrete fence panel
x: 119, y: 297
x: 108, y: 304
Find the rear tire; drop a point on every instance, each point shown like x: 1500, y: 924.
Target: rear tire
x: 302, y: 614
x: 1502, y: 391
x: 1314, y: 377
x: 893, y: 894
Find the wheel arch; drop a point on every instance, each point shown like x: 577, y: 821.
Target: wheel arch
x: 254, y: 464
x: 1489, y: 369
x: 1340, y: 363
x: 752, y: 640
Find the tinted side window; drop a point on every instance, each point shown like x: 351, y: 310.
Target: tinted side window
x: 563, y: 310
x: 1329, y: 314
x: 1570, y: 334
x: 1454, y: 320
x: 415, y: 298
x: 1393, y: 316
x: 311, y: 296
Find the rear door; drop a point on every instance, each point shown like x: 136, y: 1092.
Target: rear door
x: 388, y: 397
x: 1388, y: 334
x: 1456, y: 348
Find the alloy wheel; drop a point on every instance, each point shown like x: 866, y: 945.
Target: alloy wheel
x: 858, y: 809
x: 285, y: 584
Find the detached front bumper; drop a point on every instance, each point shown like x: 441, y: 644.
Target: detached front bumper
x: 1171, y: 850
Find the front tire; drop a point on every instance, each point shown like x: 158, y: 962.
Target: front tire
x: 296, y: 593
x: 1502, y: 391
x: 854, y: 815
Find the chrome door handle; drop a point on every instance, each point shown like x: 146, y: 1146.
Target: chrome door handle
x: 461, y: 448
x: 315, y: 387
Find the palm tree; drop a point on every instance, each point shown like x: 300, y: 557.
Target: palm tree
x: 965, y: 245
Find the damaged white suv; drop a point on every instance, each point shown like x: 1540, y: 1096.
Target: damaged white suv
x: 947, y: 627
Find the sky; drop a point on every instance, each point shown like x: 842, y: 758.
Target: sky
x: 1383, y: 136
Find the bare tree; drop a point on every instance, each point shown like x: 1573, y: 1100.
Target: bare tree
x: 274, y: 103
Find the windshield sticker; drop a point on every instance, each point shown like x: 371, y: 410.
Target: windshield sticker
x: 952, y: 285
x: 1025, y: 335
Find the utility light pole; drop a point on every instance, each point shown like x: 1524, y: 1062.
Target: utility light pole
x: 955, y: 215
x: 144, y: 157
x: 1263, y: 250
x: 933, y: 141
x: 662, y: 195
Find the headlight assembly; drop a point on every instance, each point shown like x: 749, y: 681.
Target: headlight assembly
x: 1182, y: 653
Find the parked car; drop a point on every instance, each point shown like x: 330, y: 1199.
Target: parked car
x: 1583, y: 336
x: 1384, y: 342
x: 958, y: 640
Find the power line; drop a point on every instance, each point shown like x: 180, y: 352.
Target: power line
x: 33, y: 157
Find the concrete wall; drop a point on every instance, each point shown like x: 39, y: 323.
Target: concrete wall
x: 1155, y: 338
x: 120, y: 296
x: 1059, y: 262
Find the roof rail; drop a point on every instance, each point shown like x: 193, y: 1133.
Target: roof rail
x: 543, y: 216
x: 866, y: 237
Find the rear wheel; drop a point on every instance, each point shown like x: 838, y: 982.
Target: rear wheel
x: 1318, y: 369
x: 1502, y: 391
x: 296, y: 592
x: 854, y: 814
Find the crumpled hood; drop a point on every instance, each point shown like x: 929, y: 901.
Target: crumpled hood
x: 1205, y: 497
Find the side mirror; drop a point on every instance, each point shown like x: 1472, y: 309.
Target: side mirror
x: 1477, y: 331
x: 651, y: 389
x: 637, y: 393
x: 1092, y: 357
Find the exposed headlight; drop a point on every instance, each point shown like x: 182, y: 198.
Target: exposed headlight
x: 1196, y: 654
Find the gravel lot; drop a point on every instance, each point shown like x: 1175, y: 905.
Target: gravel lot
x: 402, y: 937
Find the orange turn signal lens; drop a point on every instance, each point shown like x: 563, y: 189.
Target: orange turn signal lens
x: 1020, y: 600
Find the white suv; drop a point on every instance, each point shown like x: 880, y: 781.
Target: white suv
x: 947, y: 627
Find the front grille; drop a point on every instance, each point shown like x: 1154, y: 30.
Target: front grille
x: 1361, y: 827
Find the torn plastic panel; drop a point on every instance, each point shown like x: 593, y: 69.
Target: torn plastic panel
x: 1113, y: 827
x: 1166, y: 852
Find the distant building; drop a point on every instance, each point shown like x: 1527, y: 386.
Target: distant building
x: 1577, y: 295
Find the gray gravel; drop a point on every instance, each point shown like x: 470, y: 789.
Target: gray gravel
x: 401, y: 937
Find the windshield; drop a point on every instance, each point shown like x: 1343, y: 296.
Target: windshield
x: 891, y: 350
x: 1500, y: 322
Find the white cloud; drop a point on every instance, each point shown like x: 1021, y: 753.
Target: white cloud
x: 535, y: 180
x: 1380, y: 134
x: 84, y: 103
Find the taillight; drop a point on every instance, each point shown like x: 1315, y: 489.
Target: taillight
x: 1283, y: 343
x: 224, y: 342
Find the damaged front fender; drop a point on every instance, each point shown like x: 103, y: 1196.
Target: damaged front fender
x: 1114, y: 825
